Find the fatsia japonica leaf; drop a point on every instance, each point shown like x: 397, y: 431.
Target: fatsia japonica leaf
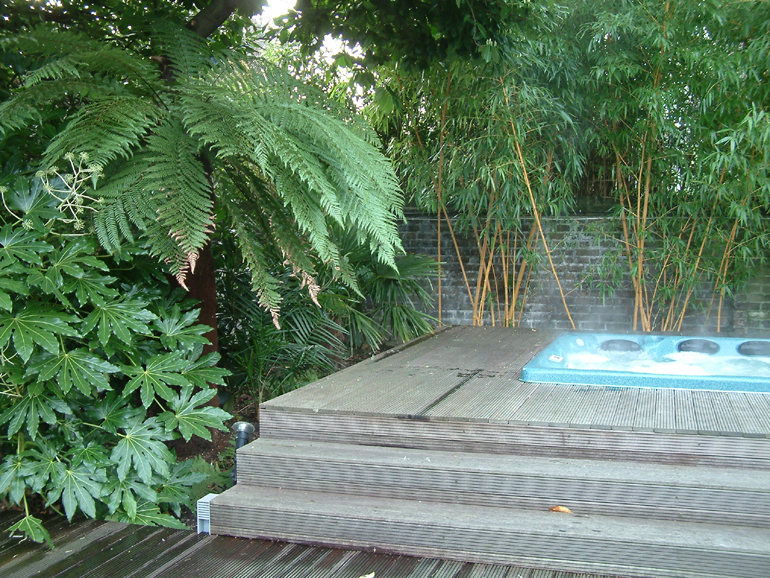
x: 19, y: 244
x: 148, y: 514
x: 29, y: 197
x: 91, y: 287
x: 114, y: 412
x: 120, y: 317
x: 175, y: 488
x: 10, y: 271
x: 190, y: 416
x: 78, y: 486
x: 30, y: 409
x: 13, y: 476
x: 78, y: 367
x: 123, y: 494
x: 73, y: 259
x: 142, y: 448
x: 92, y: 453
x: 205, y: 372
x: 32, y: 528
x: 42, y: 463
x: 178, y: 330
x: 160, y: 372
x: 36, y: 324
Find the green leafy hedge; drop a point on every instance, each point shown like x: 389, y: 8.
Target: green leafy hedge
x: 100, y: 366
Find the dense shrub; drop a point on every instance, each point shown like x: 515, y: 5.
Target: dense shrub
x: 101, y: 365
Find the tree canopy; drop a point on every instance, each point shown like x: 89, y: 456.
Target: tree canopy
x: 180, y: 127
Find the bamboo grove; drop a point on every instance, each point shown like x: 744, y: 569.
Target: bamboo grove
x: 659, y: 106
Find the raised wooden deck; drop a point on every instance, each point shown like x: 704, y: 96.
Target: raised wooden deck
x: 439, y: 450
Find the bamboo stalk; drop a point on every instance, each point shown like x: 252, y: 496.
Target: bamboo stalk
x: 458, y: 252
x: 522, y: 270
x: 505, y: 255
x: 536, y: 213
x: 695, y: 267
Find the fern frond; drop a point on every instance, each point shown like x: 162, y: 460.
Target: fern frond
x: 188, y: 54
x: 125, y: 202
x: 106, y: 129
x: 69, y: 51
x: 254, y: 252
x: 55, y: 70
x: 24, y: 107
x: 181, y: 187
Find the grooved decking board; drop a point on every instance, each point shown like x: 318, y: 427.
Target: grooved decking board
x: 626, y: 408
x: 625, y: 489
x: 665, y: 419
x: 183, y: 554
x: 476, y: 398
x: 591, y: 400
x: 646, y: 410
x: 420, y: 378
x: 749, y: 420
x: 493, y: 536
x: 518, y: 439
x: 495, y: 349
x: 686, y: 421
x: 408, y: 391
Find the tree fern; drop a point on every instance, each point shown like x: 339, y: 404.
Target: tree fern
x: 286, y: 163
x: 106, y: 129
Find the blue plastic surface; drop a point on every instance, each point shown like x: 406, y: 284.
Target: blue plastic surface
x: 582, y: 359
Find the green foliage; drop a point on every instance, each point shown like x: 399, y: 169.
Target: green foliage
x: 285, y: 162
x: 660, y: 107
x: 414, y: 33
x: 99, y: 370
x: 313, y: 338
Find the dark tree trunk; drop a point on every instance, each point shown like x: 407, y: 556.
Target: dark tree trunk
x: 203, y: 287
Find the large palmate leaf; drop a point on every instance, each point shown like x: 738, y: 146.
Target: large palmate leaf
x: 13, y: 476
x: 178, y: 330
x: 42, y: 463
x: 19, y: 244
x: 121, y: 318
x: 73, y: 260
x: 30, y: 409
x: 32, y: 528
x: 114, y: 412
x: 77, y: 486
x: 91, y: 287
x: 190, y: 418
x: 175, y: 489
x: 35, y: 324
x: 142, y: 448
x: 30, y: 198
x: 204, y: 371
x: 78, y: 367
x: 148, y: 514
x: 160, y: 372
x: 10, y: 272
x: 123, y: 493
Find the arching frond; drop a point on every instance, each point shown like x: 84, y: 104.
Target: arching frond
x: 24, y: 107
x: 187, y: 53
x: 106, y: 129
x: 180, y: 184
x: 286, y: 163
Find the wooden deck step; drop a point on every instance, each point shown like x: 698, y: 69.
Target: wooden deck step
x: 572, y: 543
x: 717, y: 495
x: 483, y: 436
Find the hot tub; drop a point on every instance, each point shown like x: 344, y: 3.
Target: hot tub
x: 663, y: 361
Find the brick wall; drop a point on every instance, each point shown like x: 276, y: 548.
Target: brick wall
x: 583, y: 249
